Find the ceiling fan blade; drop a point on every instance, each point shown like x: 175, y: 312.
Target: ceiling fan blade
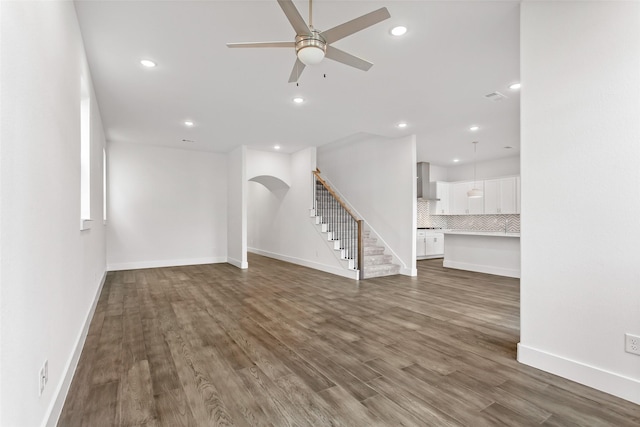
x: 294, y: 17
x: 263, y: 44
x: 355, y: 25
x: 347, y: 58
x: 297, y: 70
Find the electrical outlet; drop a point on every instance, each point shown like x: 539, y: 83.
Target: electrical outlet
x: 632, y: 344
x: 43, y: 377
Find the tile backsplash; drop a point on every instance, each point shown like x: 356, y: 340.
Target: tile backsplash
x: 467, y: 222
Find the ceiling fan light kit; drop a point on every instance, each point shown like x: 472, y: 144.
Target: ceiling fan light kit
x: 310, y: 49
x: 313, y: 46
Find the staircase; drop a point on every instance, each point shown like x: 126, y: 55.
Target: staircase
x: 376, y: 262
x: 358, y: 249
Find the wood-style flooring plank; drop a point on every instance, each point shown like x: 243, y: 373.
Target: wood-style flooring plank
x: 390, y: 413
x: 100, y: 408
x: 203, y: 397
x: 283, y: 345
x: 352, y: 411
x: 274, y: 402
x: 136, y: 403
x: 173, y: 410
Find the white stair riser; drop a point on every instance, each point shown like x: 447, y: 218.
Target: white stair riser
x: 382, y: 273
x: 377, y: 259
x: 373, y: 250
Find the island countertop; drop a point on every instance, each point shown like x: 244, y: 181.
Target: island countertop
x: 480, y: 233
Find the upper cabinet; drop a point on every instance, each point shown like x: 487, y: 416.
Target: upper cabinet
x: 441, y: 191
x: 500, y: 196
x: 461, y: 204
x: 518, y: 194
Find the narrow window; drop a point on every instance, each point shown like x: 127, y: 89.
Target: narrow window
x: 85, y: 153
x: 104, y: 186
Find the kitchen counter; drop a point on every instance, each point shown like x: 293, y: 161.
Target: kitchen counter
x: 481, y: 233
x: 483, y: 251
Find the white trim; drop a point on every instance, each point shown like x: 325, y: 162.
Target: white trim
x: 237, y: 263
x: 591, y: 376
x: 409, y: 271
x: 349, y: 274
x: 86, y: 224
x: 55, y: 408
x: 164, y: 263
x: 508, y: 272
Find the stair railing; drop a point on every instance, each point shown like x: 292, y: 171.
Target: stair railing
x: 340, y: 221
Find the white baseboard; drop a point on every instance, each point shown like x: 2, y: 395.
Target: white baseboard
x: 499, y: 271
x: 350, y: 274
x: 237, y: 263
x: 409, y: 271
x: 138, y: 265
x: 591, y: 376
x: 55, y: 409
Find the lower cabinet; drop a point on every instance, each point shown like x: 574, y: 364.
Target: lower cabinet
x: 421, y: 243
x: 429, y: 244
x: 438, y: 244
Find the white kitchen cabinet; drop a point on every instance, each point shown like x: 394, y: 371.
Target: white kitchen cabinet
x: 461, y: 204
x: 441, y: 190
x: 421, y: 243
x: 437, y: 243
x: 518, y: 194
x: 434, y: 244
x: 429, y: 244
x: 500, y: 196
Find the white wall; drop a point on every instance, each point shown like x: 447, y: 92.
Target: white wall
x: 377, y: 176
x: 166, y: 207
x: 50, y: 271
x: 438, y: 173
x: 269, y: 163
x: 237, y: 208
x: 484, y: 170
x: 580, y: 288
x: 279, y: 222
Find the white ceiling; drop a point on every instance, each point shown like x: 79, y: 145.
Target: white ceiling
x: 434, y: 78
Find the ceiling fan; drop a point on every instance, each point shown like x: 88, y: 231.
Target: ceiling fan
x: 312, y: 45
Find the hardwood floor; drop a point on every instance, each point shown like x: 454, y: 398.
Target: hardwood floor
x: 283, y: 345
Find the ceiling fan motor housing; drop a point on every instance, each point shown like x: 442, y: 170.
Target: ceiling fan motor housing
x: 305, y: 42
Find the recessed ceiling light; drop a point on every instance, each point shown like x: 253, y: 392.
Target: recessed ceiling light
x: 298, y: 100
x: 148, y: 63
x: 188, y: 123
x: 402, y: 125
x: 398, y: 31
x: 508, y: 147
x: 456, y: 160
x: 515, y: 86
x: 474, y: 128
x: 276, y: 147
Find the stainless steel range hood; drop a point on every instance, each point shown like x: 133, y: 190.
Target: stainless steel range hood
x: 424, y: 184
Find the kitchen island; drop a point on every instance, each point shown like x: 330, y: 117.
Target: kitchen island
x: 490, y: 252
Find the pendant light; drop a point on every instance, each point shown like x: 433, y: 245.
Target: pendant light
x: 475, y: 192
